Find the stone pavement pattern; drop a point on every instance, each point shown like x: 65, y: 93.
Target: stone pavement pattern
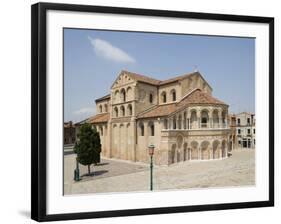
x: 120, y: 176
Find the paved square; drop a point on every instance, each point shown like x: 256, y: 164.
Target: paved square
x: 123, y: 176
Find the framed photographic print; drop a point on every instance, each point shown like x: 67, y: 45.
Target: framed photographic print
x: 139, y: 111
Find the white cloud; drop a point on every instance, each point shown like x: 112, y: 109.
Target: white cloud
x: 85, y: 110
x: 108, y: 51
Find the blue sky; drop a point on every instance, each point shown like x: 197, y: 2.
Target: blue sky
x: 94, y: 58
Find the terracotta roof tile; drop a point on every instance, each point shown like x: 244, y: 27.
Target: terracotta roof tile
x: 196, y: 97
x: 152, y: 81
x: 159, y: 111
x: 199, y: 97
x: 99, y: 118
x: 142, y: 78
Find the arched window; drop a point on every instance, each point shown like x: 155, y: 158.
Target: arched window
x: 193, y: 120
x: 174, y: 123
x: 179, y: 122
x: 204, y: 119
x: 164, y: 97
x: 223, y: 114
x: 130, y: 110
x: 150, y: 98
x: 141, y: 129
x: 215, y: 119
x: 122, y: 109
x: 116, y: 112
x: 116, y: 96
x: 129, y: 93
x: 123, y: 95
x: 151, y: 128
x: 100, y: 108
x: 174, y: 96
x: 105, y: 108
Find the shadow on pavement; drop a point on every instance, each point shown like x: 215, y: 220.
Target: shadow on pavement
x: 101, y: 164
x: 95, y: 173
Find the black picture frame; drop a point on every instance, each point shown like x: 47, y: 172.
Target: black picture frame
x: 39, y: 107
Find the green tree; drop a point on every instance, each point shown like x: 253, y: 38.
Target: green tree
x: 88, y: 146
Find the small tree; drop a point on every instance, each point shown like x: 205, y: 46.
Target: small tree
x: 88, y: 146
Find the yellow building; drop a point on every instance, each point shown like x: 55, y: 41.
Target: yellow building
x: 179, y: 116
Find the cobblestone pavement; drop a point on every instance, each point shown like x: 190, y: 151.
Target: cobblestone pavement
x: 122, y: 176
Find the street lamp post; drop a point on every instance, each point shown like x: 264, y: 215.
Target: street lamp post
x: 151, y: 152
x: 77, y: 171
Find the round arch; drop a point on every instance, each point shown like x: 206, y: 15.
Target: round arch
x: 164, y: 97
x: 129, y: 93
x: 193, y: 119
x: 151, y: 128
x: 100, y: 108
x: 173, y: 95
x: 116, y: 111
x: 141, y: 128
x: 116, y: 96
x: 194, y: 150
x: 179, y: 125
x: 123, y: 95
x: 205, y: 153
x: 204, y: 118
x: 173, y: 153
x: 129, y: 110
x: 216, y: 149
x: 215, y: 116
x: 122, y: 111
x: 179, y: 141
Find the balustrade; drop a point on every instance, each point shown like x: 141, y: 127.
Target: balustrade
x: 195, y: 126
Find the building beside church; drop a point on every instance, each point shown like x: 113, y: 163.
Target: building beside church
x: 246, y: 130
x: 179, y: 116
x: 69, y: 133
x: 242, y: 131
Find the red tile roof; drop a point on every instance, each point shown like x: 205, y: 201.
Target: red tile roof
x: 99, y: 118
x: 152, y: 81
x: 146, y: 79
x: 195, y: 97
x: 142, y: 78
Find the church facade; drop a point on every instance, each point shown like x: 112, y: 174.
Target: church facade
x: 179, y: 116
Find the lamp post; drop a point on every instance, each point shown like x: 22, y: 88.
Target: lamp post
x: 151, y: 152
x: 77, y: 172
